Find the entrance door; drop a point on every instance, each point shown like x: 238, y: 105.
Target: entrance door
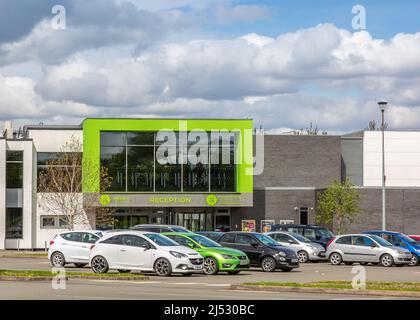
x: 303, y: 212
x: 192, y: 221
x: 222, y: 223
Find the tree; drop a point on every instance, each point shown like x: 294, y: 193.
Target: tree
x: 61, y: 192
x: 338, y: 204
x: 373, y: 127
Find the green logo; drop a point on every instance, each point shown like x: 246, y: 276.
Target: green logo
x: 211, y: 200
x: 105, y: 199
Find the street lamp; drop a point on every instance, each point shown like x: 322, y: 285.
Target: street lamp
x: 383, y: 106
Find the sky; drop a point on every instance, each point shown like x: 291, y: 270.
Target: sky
x: 283, y: 63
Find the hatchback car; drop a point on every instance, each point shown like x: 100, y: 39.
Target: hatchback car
x: 72, y: 247
x: 401, y: 240
x: 306, y: 249
x: 366, y: 249
x: 316, y: 234
x: 216, y: 258
x: 159, y: 228
x: 261, y: 250
x: 143, y: 251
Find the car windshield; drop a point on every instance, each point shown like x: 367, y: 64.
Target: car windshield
x: 408, y: 239
x: 205, y: 242
x: 179, y: 229
x: 266, y: 240
x: 161, y: 240
x: 381, y: 241
x: 325, y: 233
x: 300, y: 238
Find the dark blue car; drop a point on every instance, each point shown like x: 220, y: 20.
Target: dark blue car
x: 400, y: 240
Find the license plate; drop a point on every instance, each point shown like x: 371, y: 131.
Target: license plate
x: 243, y: 262
x: 295, y: 260
x: 198, y: 267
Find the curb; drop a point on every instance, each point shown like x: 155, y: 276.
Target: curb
x: 11, y: 256
x: 385, y: 293
x: 39, y: 278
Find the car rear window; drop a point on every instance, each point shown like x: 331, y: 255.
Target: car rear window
x: 344, y: 240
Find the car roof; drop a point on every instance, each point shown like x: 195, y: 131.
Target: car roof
x: 381, y: 231
x: 241, y: 232
x: 353, y: 234
x: 186, y: 234
x: 158, y: 225
x: 89, y: 231
x: 128, y: 232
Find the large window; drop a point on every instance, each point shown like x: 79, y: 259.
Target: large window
x: 14, y: 223
x: 14, y: 169
x: 137, y: 162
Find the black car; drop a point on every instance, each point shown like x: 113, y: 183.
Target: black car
x: 316, y: 234
x: 261, y: 250
x: 213, y: 235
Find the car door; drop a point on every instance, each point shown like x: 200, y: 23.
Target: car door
x: 71, y: 246
x: 88, y: 239
x: 343, y: 245
x: 250, y: 246
x: 136, y: 253
x: 111, y: 248
x: 284, y: 239
x: 228, y: 240
x: 362, y: 249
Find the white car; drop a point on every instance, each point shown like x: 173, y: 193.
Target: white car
x: 72, y: 247
x: 143, y: 251
x: 306, y: 250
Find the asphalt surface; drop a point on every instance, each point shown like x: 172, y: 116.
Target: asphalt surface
x: 193, y: 287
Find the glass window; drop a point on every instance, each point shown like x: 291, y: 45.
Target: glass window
x: 14, y: 223
x: 381, y: 241
x: 113, y: 139
x: 72, y: 236
x: 244, y: 239
x: 181, y: 240
x: 223, y: 175
x: 168, y: 177
x: 196, y: 178
x: 140, y: 138
x: 114, y: 158
x: 140, y: 162
x: 295, y: 230
x: 310, y: 233
x: 344, y: 240
x: 14, y: 169
x: 204, y: 241
x: 281, y: 237
x: 133, y: 241
x: 265, y: 240
x: 229, y: 238
x: 47, y: 222
x: 362, y: 241
x: 89, y: 238
x: 62, y: 223
x: 113, y: 240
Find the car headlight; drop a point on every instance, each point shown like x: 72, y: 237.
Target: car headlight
x: 227, y: 256
x: 178, y: 255
x: 282, y: 254
x: 401, y: 252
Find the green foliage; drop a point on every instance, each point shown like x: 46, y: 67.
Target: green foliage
x: 338, y: 204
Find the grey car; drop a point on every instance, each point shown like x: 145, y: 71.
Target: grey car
x: 306, y: 249
x: 366, y: 249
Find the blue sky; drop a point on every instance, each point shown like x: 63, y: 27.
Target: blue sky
x: 283, y: 63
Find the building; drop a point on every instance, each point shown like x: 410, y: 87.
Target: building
x: 155, y: 178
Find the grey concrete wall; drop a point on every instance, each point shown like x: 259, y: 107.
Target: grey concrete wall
x: 300, y: 161
x: 402, y: 211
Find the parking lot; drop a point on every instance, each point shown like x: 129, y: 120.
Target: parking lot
x: 195, y: 287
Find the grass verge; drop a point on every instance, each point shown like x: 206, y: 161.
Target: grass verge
x: 46, y: 273
x: 382, y: 286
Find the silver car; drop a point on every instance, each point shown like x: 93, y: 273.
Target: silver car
x: 306, y: 250
x: 366, y: 249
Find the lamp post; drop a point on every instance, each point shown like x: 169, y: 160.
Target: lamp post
x: 382, y: 106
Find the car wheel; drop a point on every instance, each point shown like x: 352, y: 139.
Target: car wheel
x: 268, y: 264
x: 210, y: 266
x: 414, y: 260
x: 123, y: 271
x: 286, y: 269
x: 233, y: 272
x: 387, y: 260
x: 99, y: 265
x: 348, y: 263
x: 57, y: 259
x: 163, y: 267
x: 336, y: 259
x: 80, y: 265
x: 303, y: 256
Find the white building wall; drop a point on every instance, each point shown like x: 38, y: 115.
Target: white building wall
x: 402, y: 159
x: 2, y: 192
x: 53, y: 140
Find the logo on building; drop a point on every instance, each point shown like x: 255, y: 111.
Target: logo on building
x: 105, y: 199
x: 211, y: 200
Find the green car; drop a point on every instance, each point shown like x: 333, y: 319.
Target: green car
x: 216, y: 257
